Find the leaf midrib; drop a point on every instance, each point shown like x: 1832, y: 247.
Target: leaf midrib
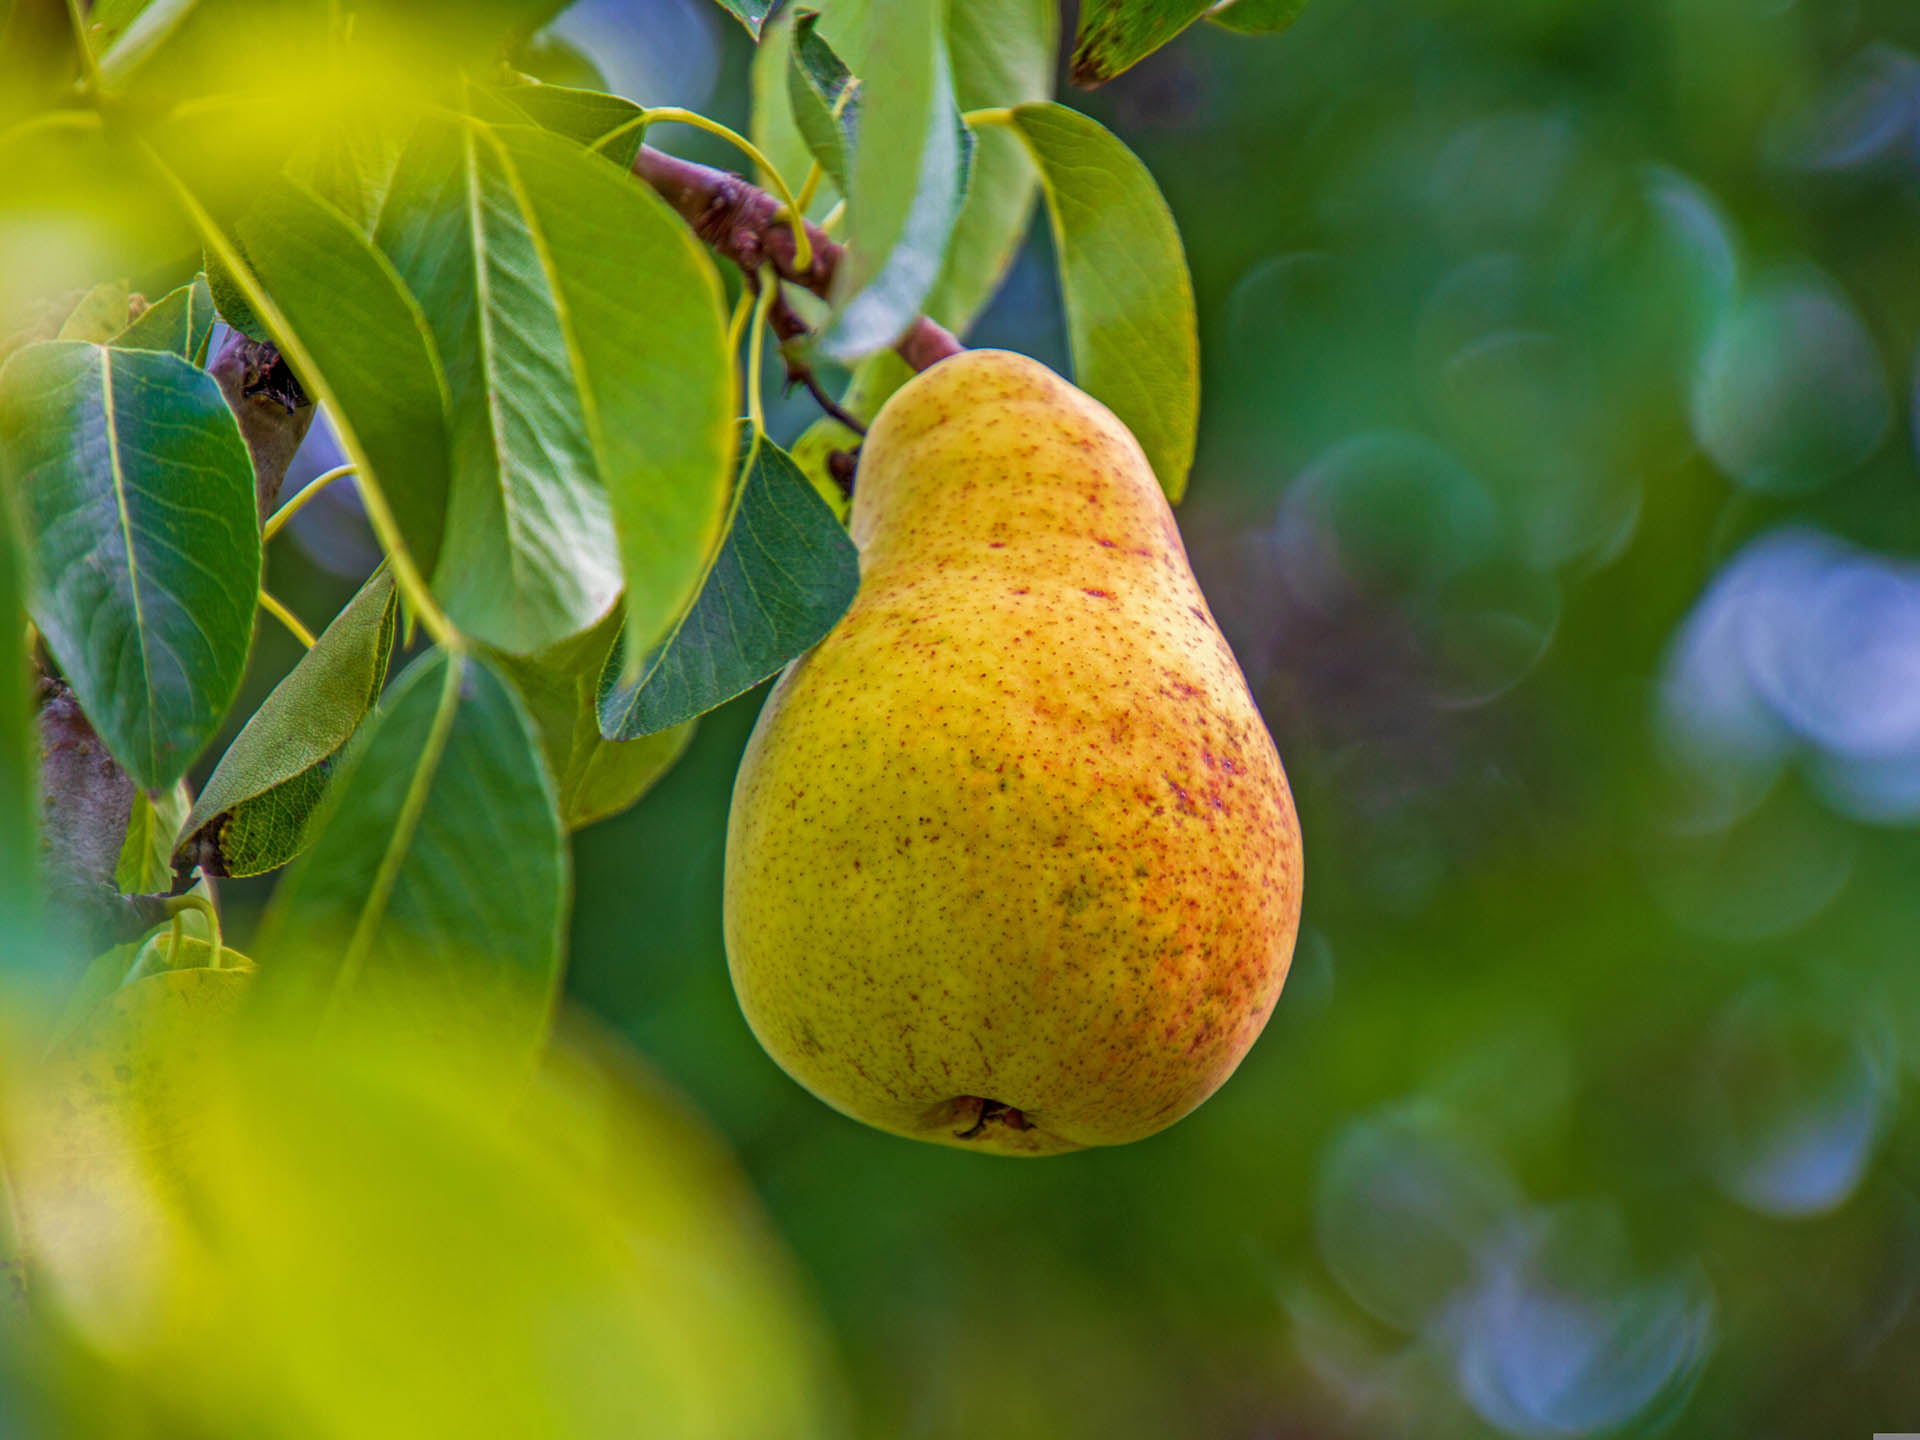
x: 126, y: 541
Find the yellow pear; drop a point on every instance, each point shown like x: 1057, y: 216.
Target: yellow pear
x: 1012, y: 864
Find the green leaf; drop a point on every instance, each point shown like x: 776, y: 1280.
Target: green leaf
x: 774, y: 131
x: 645, y: 330
x: 874, y: 379
x: 1123, y: 275
x: 908, y: 180
x: 555, y: 60
x: 350, y: 163
x: 373, y: 357
x: 529, y: 556
x: 786, y: 573
x: 1258, y: 17
x: 253, y: 814
x: 595, y: 777
x: 134, y: 499
x: 1003, y: 55
x: 435, y: 885
x: 825, y: 98
x: 100, y: 315
x: 587, y: 116
x: 180, y: 321
x: 145, y: 866
x: 750, y: 13
x: 1116, y: 35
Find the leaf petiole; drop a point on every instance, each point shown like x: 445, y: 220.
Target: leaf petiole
x: 287, y: 618
x: 277, y: 521
x: 756, y: 348
x: 180, y: 904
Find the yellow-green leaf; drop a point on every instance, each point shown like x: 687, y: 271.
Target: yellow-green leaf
x: 434, y: 889
x: 180, y: 321
x: 253, y: 814
x: 594, y: 777
x: 1115, y: 35
x: 1123, y: 276
x: 145, y: 866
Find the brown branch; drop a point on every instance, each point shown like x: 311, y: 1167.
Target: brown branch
x: 746, y: 225
x: 273, y: 410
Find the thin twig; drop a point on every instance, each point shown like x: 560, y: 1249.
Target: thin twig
x: 791, y: 328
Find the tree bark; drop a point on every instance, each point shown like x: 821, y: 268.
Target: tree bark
x: 748, y: 226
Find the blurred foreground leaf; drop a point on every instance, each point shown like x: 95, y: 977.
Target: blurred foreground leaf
x: 252, y: 1235
x: 435, y: 883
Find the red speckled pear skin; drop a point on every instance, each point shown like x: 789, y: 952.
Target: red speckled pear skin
x: 1012, y: 863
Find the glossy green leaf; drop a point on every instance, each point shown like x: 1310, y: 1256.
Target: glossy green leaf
x: 785, y: 574
x: 1115, y: 35
x: 825, y: 98
x: 1003, y: 55
x: 435, y: 883
x: 254, y: 812
x: 100, y: 315
x: 145, y: 866
x: 775, y: 132
x: 587, y: 116
x: 594, y: 777
x: 750, y: 13
x: 908, y: 180
x: 180, y: 321
x: 529, y: 556
x: 1258, y: 17
x: 350, y: 162
x: 657, y: 387
x: 1123, y: 275
x: 134, y: 498
x: 373, y: 356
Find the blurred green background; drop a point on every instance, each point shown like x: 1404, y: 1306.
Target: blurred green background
x: 1557, y: 489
